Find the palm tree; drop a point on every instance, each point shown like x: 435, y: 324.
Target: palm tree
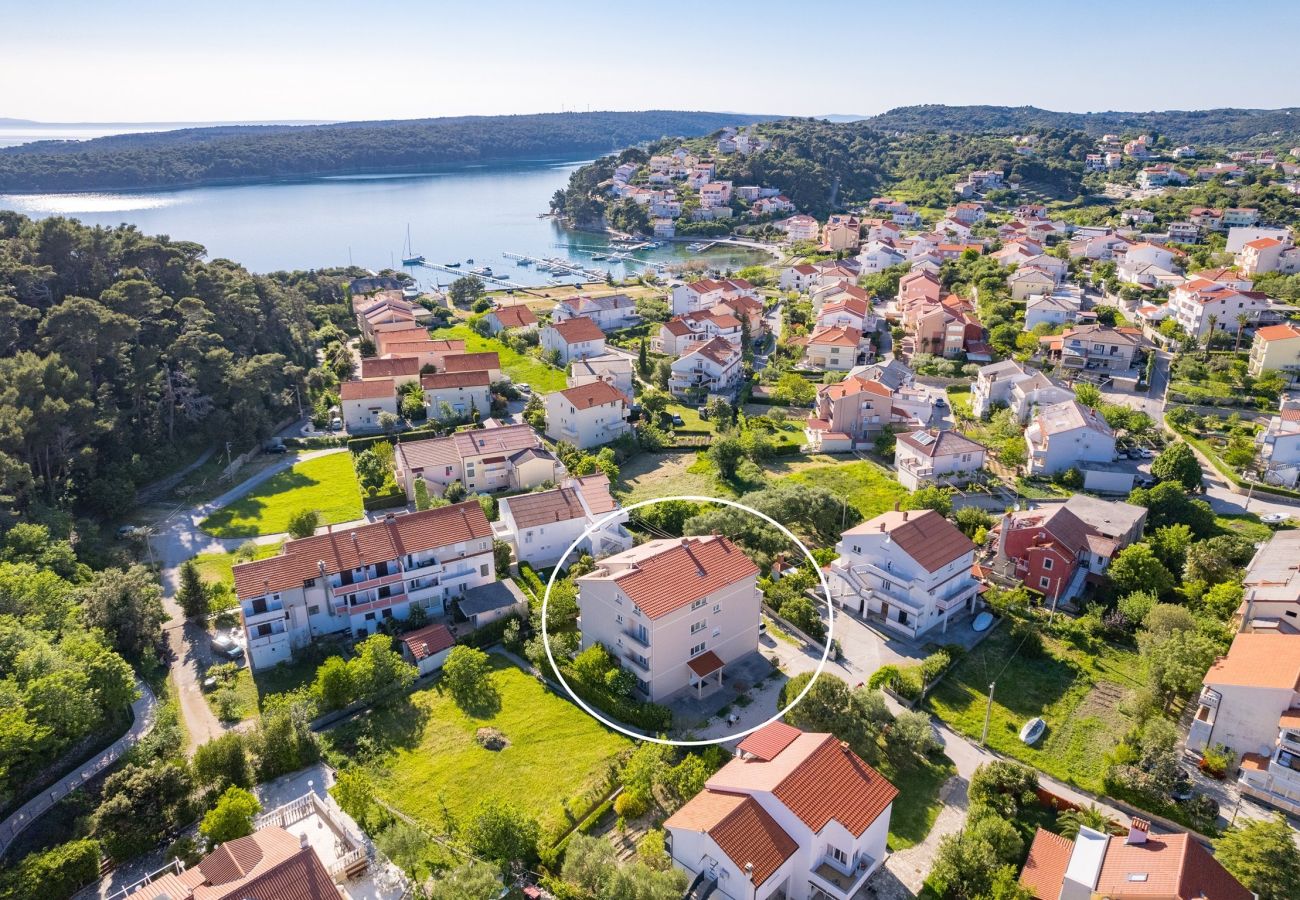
x: 1073, y: 819
x: 1209, y: 335
x: 1242, y: 320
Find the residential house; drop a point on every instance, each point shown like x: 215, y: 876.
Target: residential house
x: 680, y: 332
x: 1137, y: 216
x: 675, y: 612
x: 777, y: 205
x: 715, y: 193
x: 919, y: 285
x: 483, y: 460
x: 794, y: 815
x: 828, y: 290
x: 1027, y: 395
x: 427, y: 648
x: 801, y: 228
x: 967, y: 213
x: 1279, y: 445
x: 1028, y: 281
x: 610, y: 313
x: 454, y: 395
x: 573, y: 339
x: 1141, y: 866
x: 932, y: 456
x: 1268, y: 254
x: 1018, y: 250
x: 541, y: 526
x: 1067, y: 435
x: 1225, y: 275
x: 363, y: 402
x: 1053, y: 265
x: 1276, y: 348
x: 350, y: 581
x: 614, y: 369
x: 488, y: 361
x: 1096, y: 347
x: 1240, y: 236
x: 797, y: 278
x: 1272, y: 586
x: 518, y: 318
x: 706, y: 293
x: 1055, y: 549
x: 400, y: 370
x: 587, y: 415
x: 847, y: 311
x: 877, y: 256
x: 1160, y: 175
x: 1101, y: 248
x: 847, y: 414
x: 1250, y: 704
x: 908, y: 570
x: 384, y: 336
x: 1060, y: 307
x: 1194, y: 303
x: 834, y: 348
x: 382, y: 308
x: 993, y: 383
x: 708, y: 367
x: 1184, y: 232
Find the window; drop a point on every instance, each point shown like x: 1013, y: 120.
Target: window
x: 1047, y: 564
x: 619, y: 618
x: 1044, y: 582
x: 698, y: 648
x: 699, y: 626
x: 698, y: 603
x: 313, y: 610
x: 838, y: 855
x: 370, y: 617
x: 717, y: 608
x: 483, y: 570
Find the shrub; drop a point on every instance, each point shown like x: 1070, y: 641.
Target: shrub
x: 231, y: 818
x: 631, y: 805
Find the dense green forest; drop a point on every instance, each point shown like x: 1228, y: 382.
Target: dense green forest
x: 227, y: 153
x: 1266, y: 127
x: 123, y: 355
x: 823, y: 166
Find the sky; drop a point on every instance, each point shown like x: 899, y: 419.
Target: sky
x: 249, y: 60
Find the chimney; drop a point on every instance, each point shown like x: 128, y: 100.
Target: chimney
x: 389, y: 517
x: 749, y: 871
x: 897, y: 504
x: 302, y: 841
x: 844, y: 747
x: 905, y: 515
x: 1137, y: 831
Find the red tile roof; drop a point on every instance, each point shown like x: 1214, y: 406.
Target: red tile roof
x: 597, y: 393
x: 769, y: 740
x: 389, y: 368
x: 740, y: 827
x: 440, y: 380
x: 428, y: 641
x: 545, y: 507
x: 705, y: 664
x: 924, y: 535
x: 836, y: 336
x: 1174, y: 866
x: 517, y: 316
x: 682, y: 571
x: 578, y: 329
x: 378, y: 389
x: 387, y: 539
x: 266, y: 865
x: 1277, y: 333
x: 1259, y: 659
x: 471, y: 362
x: 1044, y: 870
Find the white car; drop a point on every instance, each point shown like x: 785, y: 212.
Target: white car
x: 227, y: 646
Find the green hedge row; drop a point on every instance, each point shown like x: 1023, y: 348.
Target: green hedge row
x: 649, y: 717
x: 384, y: 501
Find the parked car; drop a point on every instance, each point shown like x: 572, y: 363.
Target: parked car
x: 524, y: 388
x: 275, y: 445
x: 1147, y: 453
x: 125, y: 531
x: 1144, y: 480
x: 677, y: 421
x: 227, y: 646
x: 336, y: 424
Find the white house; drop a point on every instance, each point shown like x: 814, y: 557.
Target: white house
x: 587, y: 415
x: 674, y: 611
x: 909, y: 570
x: 1067, y: 435
x: 540, y: 526
x: 711, y: 367
x: 795, y: 815
x: 707, y: 293
x: 1060, y: 307
x: 363, y: 402
x: 496, y: 458
x: 877, y: 256
x: 612, y: 368
x: 801, y: 228
x: 511, y: 318
x: 1279, y: 445
x: 993, y: 385
x: 610, y: 313
x: 1028, y: 281
x: 797, y: 278
x: 574, y: 339
x: 932, y: 456
x: 456, y: 394
x: 1193, y: 304
x: 350, y: 581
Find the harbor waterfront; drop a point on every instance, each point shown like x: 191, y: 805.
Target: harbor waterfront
x: 470, y: 216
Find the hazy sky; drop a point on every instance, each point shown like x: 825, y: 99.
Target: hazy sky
x: 112, y: 60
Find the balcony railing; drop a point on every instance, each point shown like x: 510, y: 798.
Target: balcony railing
x: 843, y: 881
x: 636, y: 665
x: 357, y: 587
x: 642, y: 642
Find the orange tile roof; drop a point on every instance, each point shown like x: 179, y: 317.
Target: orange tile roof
x: 545, y: 507
x: 705, y: 664
x: 471, y: 362
x: 740, y: 827
x: 856, y: 385
x: 1277, y: 333
x: 924, y: 535
x: 835, y: 336
x: 1044, y: 869
x: 389, y: 368
x: 266, y: 865
x: 517, y: 316
x: 376, y: 389
x: 597, y: 393
x: 387, y: 539
x: 439, y: 380
x: 428, y: 641
x: 1259, y: 659
x: 685, y: 570
x: 769, y: 741
x: 578, y: 329
x: 1175, y: 866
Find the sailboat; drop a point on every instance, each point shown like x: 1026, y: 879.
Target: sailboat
x: 411, y: 259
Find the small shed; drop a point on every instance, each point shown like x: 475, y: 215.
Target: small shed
x: 428, y: 647
x: 494, y: 600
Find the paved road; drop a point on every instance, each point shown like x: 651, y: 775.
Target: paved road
x: 177, y: 539
x: 142, y: 711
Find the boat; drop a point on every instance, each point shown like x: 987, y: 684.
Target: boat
x: 982, y: 621
x: 411, y: 292
x: 481, y: 270
x: 1033, y: 730
x: 453, y: 265
x: 469, y: 262
x: 412, y: 258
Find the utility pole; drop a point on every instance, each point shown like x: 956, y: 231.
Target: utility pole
x: 988, y: 711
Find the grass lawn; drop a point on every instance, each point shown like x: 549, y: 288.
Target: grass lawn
x: 246, y: 705
x: 918, y: 803
x: 530, y: 370
x: 557, y: 754
x: 1077, y: 691
x: 326, y: 484
x: 959, y: 399
x: 649, y: 475
x: 218, y: 568
x: 1247, y: 525
x: 870, y: 488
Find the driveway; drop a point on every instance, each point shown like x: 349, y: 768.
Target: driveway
x: 176, y: 539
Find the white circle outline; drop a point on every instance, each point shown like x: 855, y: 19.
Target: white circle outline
x: 692, y: 498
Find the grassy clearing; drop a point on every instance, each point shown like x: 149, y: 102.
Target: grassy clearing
x: 959, y: 399
x: 218, y: 568
x: 918, y: 803
x: 650, y: 475
x: 326, y: 484
x: 530, y: 370
x: 1077, y: 691
x: 557, y: 754
x: 869, y: 488
x: 1247, y: 525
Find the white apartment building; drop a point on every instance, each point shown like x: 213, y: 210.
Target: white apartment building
x: 932, y: 456
x: 706, y: 293
x: 1193, y: 303
x: 456, y: 394
x: 587, y: 415
x: 576, y: 338
x: 609, y: 313
x: 711, y: 367
x: 612, y: 368
x: 674, y: 612
x: 540, y: 526
x: 795, y: 815
x: 493, y: 458
x: 351, y: 581
x: 909, y: 570
x: 1066, y: 435
x: 363, y: 402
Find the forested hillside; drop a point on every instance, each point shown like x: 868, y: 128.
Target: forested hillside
x: 1270, y: 127
x: 122, y: 355
x: 226, y: 153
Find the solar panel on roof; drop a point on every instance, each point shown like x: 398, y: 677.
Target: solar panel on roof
x: 924, y: 438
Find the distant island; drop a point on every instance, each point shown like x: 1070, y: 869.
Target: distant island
x: 241, y: 153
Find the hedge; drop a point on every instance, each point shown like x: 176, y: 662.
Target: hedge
x: 489, y: 634
x: 384, y: 501
x: 651, y: 718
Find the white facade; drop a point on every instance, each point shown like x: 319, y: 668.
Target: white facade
x: 540, y: 527
x: 1067, y: 435
x: 588, y: 415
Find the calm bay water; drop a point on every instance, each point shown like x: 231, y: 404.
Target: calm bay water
x: 454, y: 215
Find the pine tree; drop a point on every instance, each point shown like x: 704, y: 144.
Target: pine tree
x: 193, y: 593
x: 643, y: 360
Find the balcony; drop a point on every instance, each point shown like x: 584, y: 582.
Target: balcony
x: 357, y: 587
x: 257, y: 611
x: 638, y: 642
x: 633, y: 662
x: 841, y: 882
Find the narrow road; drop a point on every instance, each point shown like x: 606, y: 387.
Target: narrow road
x: 179, y: 538
x: 142, y: 711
